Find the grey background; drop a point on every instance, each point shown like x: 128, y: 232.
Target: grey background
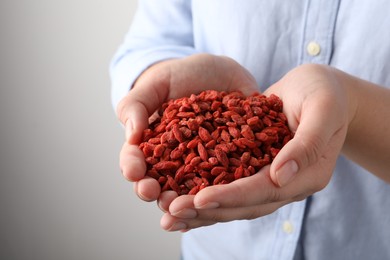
x: 61, y: 192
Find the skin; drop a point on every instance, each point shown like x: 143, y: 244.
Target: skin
x: 314, y: 96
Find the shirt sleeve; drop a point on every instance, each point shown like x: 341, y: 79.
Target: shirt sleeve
x: 160, y: 30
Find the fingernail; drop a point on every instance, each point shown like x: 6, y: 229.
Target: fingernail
x: 208, y: 205
x: 128, y: 129
x: 286, y: 173
x: 178, y: 226
x: 185, y: 213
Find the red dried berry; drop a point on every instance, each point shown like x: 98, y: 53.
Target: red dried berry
x: 213, y: 138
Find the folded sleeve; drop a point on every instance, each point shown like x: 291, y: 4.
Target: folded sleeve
x: 160, y: 30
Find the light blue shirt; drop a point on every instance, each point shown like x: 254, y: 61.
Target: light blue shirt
x: 350, y: 218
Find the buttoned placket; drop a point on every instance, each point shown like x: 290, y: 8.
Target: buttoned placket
x: 287, y: 228
x: 317, y: 43
x: 318, y: 31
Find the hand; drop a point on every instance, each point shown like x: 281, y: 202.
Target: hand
x: 163, y: 81
x: 317, y: 106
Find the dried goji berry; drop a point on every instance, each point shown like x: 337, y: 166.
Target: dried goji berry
x: 213, y: 138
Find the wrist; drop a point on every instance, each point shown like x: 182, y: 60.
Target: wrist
x: 349, y: 84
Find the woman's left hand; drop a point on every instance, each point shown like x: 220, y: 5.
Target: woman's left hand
x: 318, y: 110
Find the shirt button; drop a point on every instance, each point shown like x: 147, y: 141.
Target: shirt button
x: 288, y: 227
x: 313, y: 48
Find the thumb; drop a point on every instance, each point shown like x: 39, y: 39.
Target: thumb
x: 306, y: 147
x: 135, y: 109
x: 148, y: 94
x: 133, y: 114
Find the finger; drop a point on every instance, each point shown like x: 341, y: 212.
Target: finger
x: 183, y: 207
x: 171, y: 223
x: 147, y: 189
x: 208, y: 217
x: 316, y: 176
x: 134, y: 111
x: 254, y: 190
x: 230, y: 214
x: 132, y: 162
x: 165, y: 199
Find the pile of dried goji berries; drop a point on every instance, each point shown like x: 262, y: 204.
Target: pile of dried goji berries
x: 213, y: 138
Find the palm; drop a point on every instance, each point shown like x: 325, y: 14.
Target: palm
x: 201, y: 72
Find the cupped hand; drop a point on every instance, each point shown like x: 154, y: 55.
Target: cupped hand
x: 318, y: 109
x: 165, y: 80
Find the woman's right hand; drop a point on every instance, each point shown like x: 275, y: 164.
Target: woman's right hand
x: 163, y: 81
